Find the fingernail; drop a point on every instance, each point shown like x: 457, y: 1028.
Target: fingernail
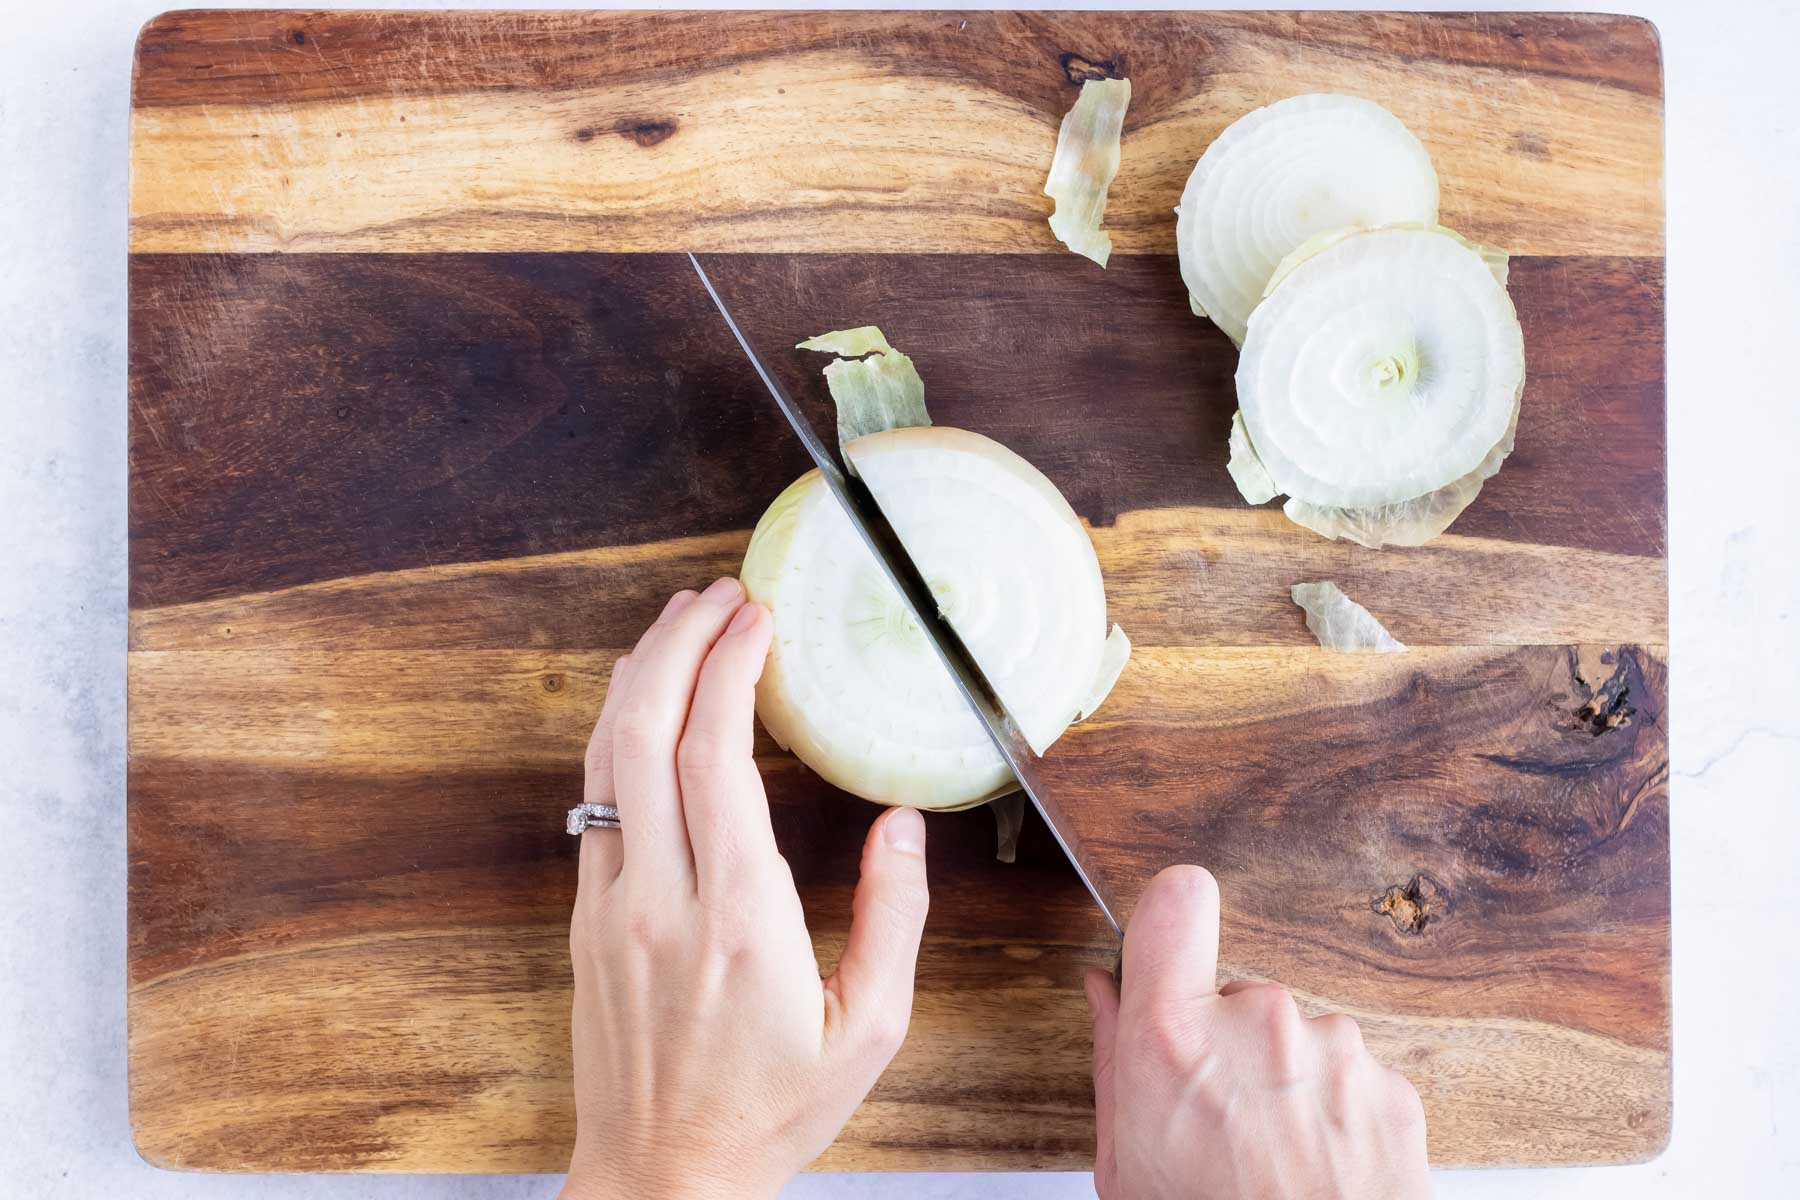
x: 745, y: 618
x: 677, y: 603
x: 904, y: 830
x: 723, y: 591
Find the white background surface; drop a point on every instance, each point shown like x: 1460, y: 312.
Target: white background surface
x: 1734, y: 437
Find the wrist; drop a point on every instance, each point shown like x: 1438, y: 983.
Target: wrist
x: 592, y: 1179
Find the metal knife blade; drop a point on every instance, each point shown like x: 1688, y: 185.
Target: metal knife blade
x: 869, y: 521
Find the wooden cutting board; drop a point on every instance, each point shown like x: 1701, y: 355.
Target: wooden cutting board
x: 428, y: 416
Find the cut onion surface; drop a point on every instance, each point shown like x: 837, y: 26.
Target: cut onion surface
x: 1383, y: 367
x: 854, y: 687
x: 1283, y: 174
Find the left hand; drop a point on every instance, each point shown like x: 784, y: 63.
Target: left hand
x: 710, y: 1059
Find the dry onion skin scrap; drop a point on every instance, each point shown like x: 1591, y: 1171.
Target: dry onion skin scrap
x: 853, y: 685
x: 1082, y: 170
x: 1379, y: 384
x: 1286, y: 173
x: 875, y: 387
x: 1339, y: 622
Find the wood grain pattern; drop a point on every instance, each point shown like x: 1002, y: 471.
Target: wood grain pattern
x: 386, y: 389
x: 428, y: 418
x: 1175, y: 577
x: 871, y: 132
x: 1523, y: 790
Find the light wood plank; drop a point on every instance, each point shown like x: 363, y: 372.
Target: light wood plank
x: 837, y: 145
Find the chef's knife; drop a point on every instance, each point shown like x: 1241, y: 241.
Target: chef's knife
x: 853, y: 496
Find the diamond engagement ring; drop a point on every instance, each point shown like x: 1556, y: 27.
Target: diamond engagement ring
x: 599, y: 816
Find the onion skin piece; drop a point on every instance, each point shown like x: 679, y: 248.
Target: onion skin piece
x: 1009, y: 819
x: 1339, y: 622
x: 849, y: 343
x: 1082, y: 170
x: 1113, y: 657
x: 1246, y: 469
x: 1410, y: 522
x: 879, y: 391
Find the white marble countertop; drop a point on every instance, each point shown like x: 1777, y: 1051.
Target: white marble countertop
x: 1734, y: 436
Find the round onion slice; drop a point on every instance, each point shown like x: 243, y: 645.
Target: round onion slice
x: 852, y: 685
x: 1380, y: 368
x: 1281, y: 174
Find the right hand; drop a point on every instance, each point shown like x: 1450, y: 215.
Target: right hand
x: 1211, y: 1092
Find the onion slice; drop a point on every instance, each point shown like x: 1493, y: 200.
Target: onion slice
x: 1281, y: 174
x: 1082, y: 170
x: 1383, y: 367
x: 1339, y: 622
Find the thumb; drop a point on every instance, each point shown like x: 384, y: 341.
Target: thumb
x: 1103, y: 1002
x: 1172, y: 944
x: 874, y: 980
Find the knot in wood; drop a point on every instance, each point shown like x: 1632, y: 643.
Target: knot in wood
x: 1414, y: 904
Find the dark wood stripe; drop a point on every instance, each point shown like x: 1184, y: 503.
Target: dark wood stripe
x: 284, y: 57
x: 307, y: 417
x: 232, y: 861
x: 1469, y: 833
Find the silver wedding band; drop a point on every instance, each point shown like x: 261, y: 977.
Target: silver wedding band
x: 597, y: 816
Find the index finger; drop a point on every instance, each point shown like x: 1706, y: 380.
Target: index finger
x: 665, y: 667
x: 721, y: 790
x: 1172, y: 941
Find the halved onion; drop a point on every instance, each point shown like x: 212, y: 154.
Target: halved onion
x: 1381, y: 368
x: 853, y: 687
x: 1281, y: 174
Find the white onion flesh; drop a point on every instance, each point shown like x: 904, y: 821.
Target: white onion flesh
x: 1381, y: 368
x: 853, y: 686
x: 1283, y: 174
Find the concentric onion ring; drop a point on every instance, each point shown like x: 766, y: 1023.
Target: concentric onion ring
x: 1383, y: 367
x: 1281, y: 174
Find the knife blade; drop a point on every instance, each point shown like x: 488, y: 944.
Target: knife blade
x: 872, y: 525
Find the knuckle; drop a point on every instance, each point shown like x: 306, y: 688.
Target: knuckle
x: 636, y: 734
x: 640, y: 929
x: 1341, y: 1034
x: 896, y: 908
x: 1403, y: 1098
x: 1273, y: 1012
x: 726, y: 926
x: 1166, y: 1036
x: 701, y: 752
x: 886, y: 1031
x: 1269, y: 1005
